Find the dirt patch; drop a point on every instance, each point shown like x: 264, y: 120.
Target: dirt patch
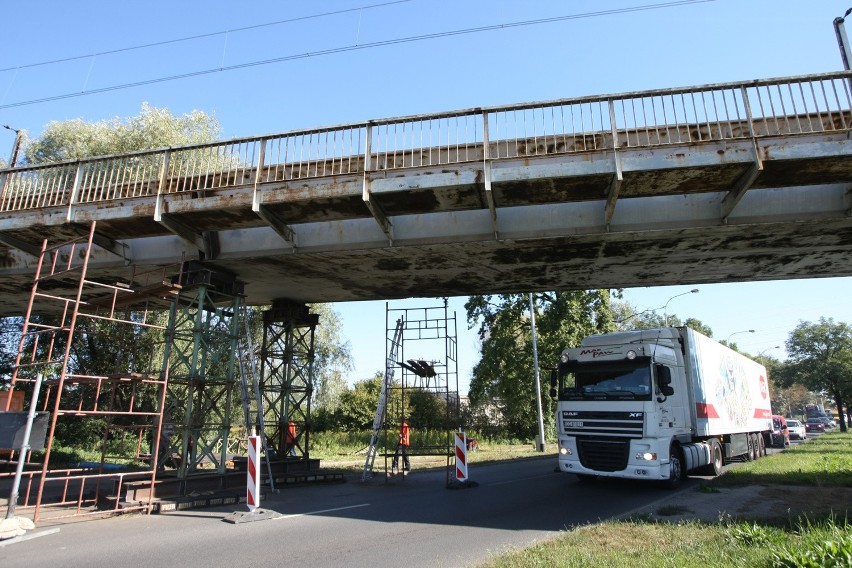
x: 810, y: 501
x: 750, y: 502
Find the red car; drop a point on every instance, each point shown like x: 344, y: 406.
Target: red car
x: 814, y: 425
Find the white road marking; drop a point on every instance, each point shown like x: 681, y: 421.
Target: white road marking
x: 320, y: 512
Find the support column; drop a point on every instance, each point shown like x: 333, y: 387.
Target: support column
x: 200, y: 357
x: 286, y: 375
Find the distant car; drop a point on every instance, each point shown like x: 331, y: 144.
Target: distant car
x: 814, y: 425
x: 780, y: 436
x: 797, y: 429
x: 829, y: 423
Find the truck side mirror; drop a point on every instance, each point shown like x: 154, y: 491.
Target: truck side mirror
x: 664, y: 380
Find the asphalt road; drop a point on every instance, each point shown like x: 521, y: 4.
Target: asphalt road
x: 412, y: 521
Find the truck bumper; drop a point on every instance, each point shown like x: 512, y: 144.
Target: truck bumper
x: 645, y: 461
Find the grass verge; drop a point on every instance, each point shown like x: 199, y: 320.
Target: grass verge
x: 795, y: 540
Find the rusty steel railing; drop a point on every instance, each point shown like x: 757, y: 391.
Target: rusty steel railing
x: 689, y: 115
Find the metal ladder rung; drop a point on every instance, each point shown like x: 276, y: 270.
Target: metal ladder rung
x: 381, y: 407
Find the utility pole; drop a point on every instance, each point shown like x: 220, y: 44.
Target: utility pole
x: 540, y: 445
x: 842, y: 40
x: 16, y: 146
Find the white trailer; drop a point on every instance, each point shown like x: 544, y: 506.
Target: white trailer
x: 655, y: 404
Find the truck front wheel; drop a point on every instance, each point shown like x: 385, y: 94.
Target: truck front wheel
x: 676, y: 472
x: 717, y: 461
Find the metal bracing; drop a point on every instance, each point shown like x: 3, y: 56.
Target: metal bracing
x: 90, y: 369
x: 286, y: 375
x: 427, y: 393
x: 200, y: 355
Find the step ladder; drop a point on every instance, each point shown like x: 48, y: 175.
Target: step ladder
x: 247, y: 357
x: 381, y: 407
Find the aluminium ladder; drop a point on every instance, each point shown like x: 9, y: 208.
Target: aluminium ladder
x: 381, y: 407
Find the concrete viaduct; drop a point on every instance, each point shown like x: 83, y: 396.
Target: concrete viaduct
x: 715, y: 183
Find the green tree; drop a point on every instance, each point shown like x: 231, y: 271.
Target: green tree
x: 357, y: 406
x: 427, y: 410
x: 152, y: 128
x: 820, y: 357
x: 504, y: 377
x: 332, y: 359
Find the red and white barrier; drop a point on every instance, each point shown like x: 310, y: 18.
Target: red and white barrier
x: 253, y: 481
x: 461, y: 456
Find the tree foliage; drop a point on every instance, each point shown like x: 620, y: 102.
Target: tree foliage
x: 332, y: 358
x: 820, y: 357
x: 503, y: 380
x: 152, y: 128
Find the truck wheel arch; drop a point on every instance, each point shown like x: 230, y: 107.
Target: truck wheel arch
x: 677, y: 467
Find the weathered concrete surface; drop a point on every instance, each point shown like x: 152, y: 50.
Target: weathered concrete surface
x: 541, y: 224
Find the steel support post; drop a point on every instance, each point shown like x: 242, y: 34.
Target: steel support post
x: 201, y: 358
x: 286, y: 374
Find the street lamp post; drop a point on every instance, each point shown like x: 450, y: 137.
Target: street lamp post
x: 665, y: 308
x: 728, y: 341
x: 768, y: 349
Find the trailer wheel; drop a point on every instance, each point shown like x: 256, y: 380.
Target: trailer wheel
x: 676, y: 468
x: 757, y: 453
x: 762, y: 445
x: 755, y: 447
x: 749, y: 455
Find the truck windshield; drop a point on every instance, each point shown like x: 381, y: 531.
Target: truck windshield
x: 621, y: 380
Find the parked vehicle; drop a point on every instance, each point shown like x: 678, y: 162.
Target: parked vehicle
x: 654, y: 404
x: 814, y: 425
x: 796, y: 429
x: 780, y: 432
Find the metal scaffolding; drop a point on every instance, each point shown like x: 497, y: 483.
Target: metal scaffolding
x: 427, y: 393
x: 114, y: 394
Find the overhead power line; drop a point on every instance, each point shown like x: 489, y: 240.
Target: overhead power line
x: 357, y: 47
x: 200, y: 36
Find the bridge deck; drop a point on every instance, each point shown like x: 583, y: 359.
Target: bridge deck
x: 705, y: 184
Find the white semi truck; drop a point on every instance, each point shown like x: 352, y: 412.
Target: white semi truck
x: 654, y: 404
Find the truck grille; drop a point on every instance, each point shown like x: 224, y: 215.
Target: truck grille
x: 603, y: 455
x: 600, y: 423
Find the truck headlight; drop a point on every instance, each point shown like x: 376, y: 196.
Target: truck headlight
x: 646, y: 456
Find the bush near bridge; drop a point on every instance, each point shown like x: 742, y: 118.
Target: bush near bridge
x: 795, y: 540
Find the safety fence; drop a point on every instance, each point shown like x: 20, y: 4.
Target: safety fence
x: 792, y: 106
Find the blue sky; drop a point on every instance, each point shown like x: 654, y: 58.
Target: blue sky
x: 363, y: 60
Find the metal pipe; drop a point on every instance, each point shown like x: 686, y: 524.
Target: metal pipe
x: 24, y: 450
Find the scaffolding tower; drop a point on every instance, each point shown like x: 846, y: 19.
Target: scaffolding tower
x: 115, y: 394
x: 427, y: 392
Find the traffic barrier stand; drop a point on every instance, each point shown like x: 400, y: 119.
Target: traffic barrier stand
x: 462, y: 480
x: 255, y: 513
